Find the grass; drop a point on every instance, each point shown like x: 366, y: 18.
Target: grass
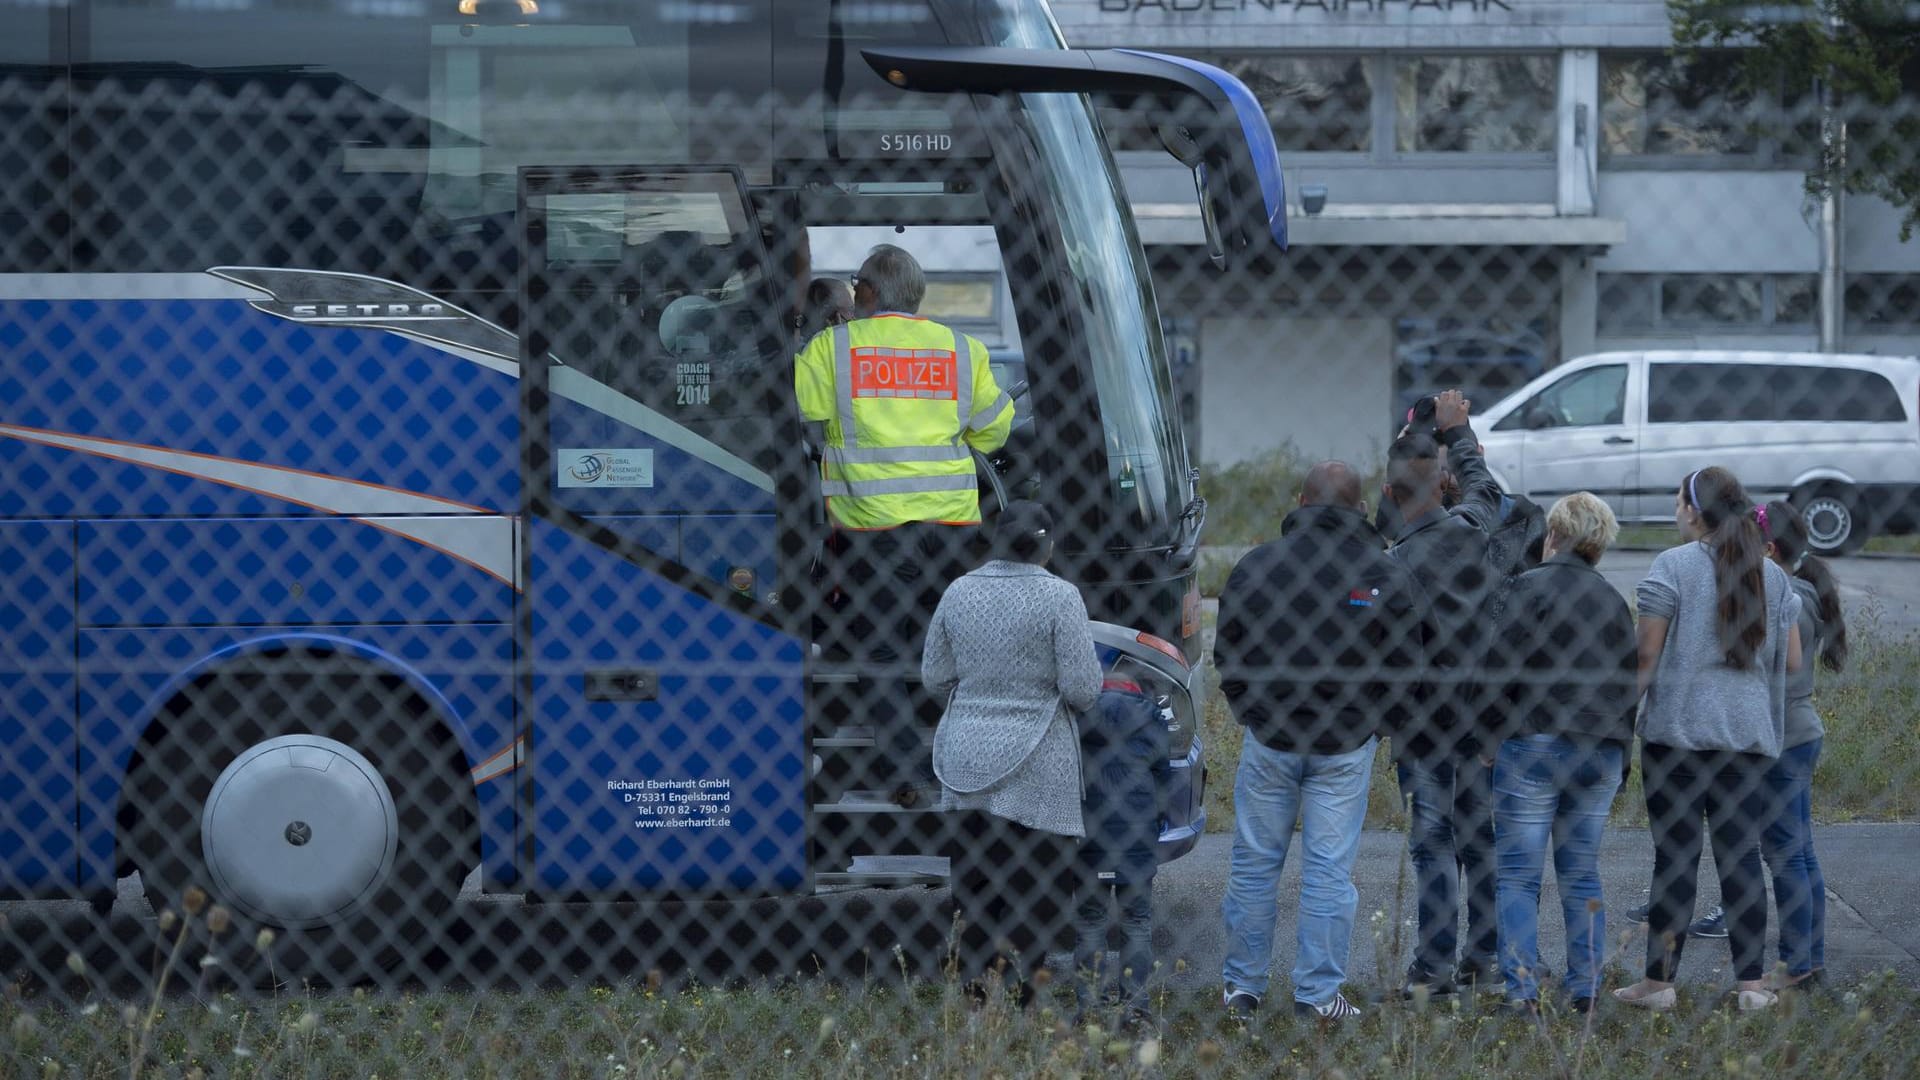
x: 927, y: 1029
x: 1869, y: 764
x: 1246, y: 502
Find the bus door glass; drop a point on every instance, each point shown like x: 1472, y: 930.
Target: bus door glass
x: 661, y: 453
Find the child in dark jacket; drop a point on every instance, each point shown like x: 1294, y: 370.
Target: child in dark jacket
x: 1123, y: 744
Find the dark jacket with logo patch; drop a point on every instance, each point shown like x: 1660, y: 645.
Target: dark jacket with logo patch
x: 1322, y: 637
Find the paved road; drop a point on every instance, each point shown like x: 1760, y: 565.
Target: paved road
x: 1873, y: 924
x: 1881, y: 592
x: 1873, y: 920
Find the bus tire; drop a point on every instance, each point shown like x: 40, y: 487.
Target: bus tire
x: 1836, y: 519
x: 391, y: 856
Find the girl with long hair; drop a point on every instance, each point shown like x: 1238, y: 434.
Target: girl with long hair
x: 1786, y: 843
x: 1718, y: 633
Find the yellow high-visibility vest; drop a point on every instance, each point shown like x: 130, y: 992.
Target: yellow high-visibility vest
x: 905, y: 401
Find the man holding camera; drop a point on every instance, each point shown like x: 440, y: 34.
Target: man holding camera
x: 1450, y: 830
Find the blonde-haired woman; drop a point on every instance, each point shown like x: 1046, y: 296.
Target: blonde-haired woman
x: 1563, y: 663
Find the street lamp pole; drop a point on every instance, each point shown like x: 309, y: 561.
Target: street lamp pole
x: 1833, y: 149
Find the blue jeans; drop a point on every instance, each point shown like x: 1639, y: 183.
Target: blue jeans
x: 1134, y: 898
x: 1799, y: 892
x: 1552, y: 791
x: 1327, y: 795
x: 1450, y: 835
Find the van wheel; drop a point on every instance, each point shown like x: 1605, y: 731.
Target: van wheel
x: 310, y: 803
x: 1836, y: 524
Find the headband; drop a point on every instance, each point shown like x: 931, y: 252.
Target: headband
x: 1760, y: 515
x: 1693, y: 494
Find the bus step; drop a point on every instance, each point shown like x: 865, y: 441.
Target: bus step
x: 846, y: 736
x: 875, y: 802
x: 843, y: 880
x: 850, y: 672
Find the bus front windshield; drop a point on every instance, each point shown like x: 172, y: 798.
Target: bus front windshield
x: 1146, y: 459
x: 1147, y: 472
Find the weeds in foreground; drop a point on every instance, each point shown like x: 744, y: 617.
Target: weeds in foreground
x: 929, y: 1029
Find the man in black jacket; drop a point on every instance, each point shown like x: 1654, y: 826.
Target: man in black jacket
x: 1321, y: 642
x: 1450, y: 793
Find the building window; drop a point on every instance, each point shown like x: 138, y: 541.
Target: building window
x: 1488, y: 358
x: 1883, y: 303
x: 1657, y: 105
x: 1759, y: 303
x: 1315, y: 103
x: 1475, y: 104
x: 1713, y: 300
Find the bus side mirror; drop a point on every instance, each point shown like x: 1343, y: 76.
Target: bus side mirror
x: 1206, y: 118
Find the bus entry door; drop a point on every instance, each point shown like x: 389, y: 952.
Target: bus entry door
x: 666, y: 728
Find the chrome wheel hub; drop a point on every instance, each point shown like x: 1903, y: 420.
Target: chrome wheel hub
x: 1829, y: 522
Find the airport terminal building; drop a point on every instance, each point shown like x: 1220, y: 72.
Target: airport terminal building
x: 1499, y: 186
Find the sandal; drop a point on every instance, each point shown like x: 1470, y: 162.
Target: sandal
x: 1639, y: 997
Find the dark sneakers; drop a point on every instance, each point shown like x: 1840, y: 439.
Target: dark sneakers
x: 1240, y: 1004
x: 1713, y: 926
x: 1423, y: 984
x: 1482, y: 977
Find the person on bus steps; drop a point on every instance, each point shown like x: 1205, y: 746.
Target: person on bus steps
x: 904, y: 402
x: 828, y: 303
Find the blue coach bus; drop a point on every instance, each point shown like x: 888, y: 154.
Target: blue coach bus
x: 399, y: 467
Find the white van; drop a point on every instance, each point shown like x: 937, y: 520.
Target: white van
x: 1839, y: 434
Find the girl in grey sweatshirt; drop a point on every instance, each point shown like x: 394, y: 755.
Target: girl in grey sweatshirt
x: 1718, y: 634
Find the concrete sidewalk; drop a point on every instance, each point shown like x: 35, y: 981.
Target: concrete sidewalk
x: 1873, y: 908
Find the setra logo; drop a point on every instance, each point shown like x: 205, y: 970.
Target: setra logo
x: 589, y: 468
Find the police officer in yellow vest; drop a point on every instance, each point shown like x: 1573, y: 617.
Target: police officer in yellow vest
x: 904, y: 401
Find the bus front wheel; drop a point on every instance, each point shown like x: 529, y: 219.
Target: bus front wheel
x: 320, y: 810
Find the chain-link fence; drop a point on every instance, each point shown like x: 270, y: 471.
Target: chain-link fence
x: 465, y: 566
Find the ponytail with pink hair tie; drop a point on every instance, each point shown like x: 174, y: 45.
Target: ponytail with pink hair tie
x: 1760, y: 516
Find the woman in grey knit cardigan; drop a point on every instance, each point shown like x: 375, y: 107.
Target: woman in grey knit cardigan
x: 1011, y: 651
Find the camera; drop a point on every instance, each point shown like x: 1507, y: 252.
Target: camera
x: 1420, y: 418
